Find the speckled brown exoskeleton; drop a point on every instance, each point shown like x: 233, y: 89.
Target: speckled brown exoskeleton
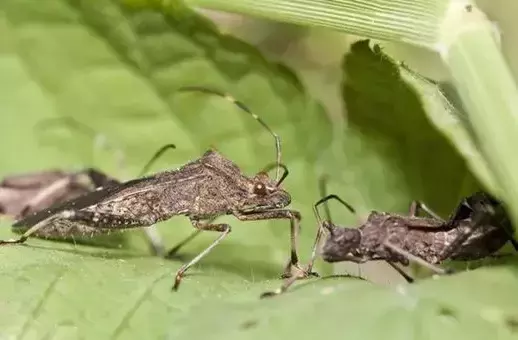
x: 202, y: 190
x: 478, y: 227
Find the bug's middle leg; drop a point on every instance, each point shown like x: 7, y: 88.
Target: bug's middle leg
x: 174, y: 250
x: 223, y: 228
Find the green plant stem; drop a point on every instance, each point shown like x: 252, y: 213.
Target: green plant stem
x: 411, y: 21
x: 484, y: 82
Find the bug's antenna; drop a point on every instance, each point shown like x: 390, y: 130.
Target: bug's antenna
x: 322, y: 186
x: 285, y: 172
x: 244, y: 108
x: 335, y: 197
x: 157, y: 154
x: 324, y: 224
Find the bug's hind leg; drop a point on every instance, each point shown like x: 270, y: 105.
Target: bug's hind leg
x: 417, y: 259
x: 38, y: 226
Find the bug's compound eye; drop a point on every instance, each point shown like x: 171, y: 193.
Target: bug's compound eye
x: 260, y: 189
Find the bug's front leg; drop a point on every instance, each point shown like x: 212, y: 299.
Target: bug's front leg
x: 291, y: 280
x: 287, y: 283
x: 294, y: 217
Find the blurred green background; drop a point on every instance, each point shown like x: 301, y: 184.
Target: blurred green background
x: 317, y: 53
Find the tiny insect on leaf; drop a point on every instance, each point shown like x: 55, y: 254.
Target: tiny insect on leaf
x: 201, y: 190
x: 477, y: 228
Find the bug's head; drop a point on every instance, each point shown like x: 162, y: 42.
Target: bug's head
x: 341, y: 243
x: 265, y: 193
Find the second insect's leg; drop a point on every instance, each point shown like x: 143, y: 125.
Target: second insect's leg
x: 401, y: 272
x: 291, y: 280
x: 417, y: 206
x: 285, y: 285
x: 314, y: 250
x: 415, y: 258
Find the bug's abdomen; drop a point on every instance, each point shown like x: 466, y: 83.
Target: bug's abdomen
x: 425, y: 244
x: 484, y: 242
x: 127, y: 212
x: 418, y: 242
x: 63, y: 229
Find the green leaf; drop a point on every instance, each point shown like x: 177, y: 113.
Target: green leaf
x: 445, y: 111
x: 128, y: 296
x: 390, y: 145
x: 63, y: 291
x: 329, y: 308
x: 489, y: 94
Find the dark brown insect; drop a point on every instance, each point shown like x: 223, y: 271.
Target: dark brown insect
x: 24, y: 194
x: 202, y: 190
x: 477, y: 228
